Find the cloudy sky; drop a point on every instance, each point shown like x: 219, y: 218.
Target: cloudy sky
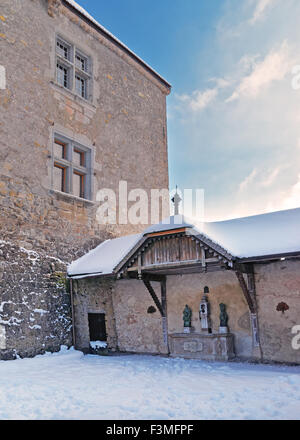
x: 234, y: 111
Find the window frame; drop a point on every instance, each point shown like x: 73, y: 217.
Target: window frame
x: 60, y: 65
x: 64, y: 175
x: 70, y: 63
x: 82, y: 183
x: 84, y: 169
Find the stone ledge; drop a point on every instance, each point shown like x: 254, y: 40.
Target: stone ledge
x: 71, y: 95
x: 70, y: 197
x: 209, y: 347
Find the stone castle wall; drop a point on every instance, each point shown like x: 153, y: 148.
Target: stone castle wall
x: 223, y: 288
x: 35, y: 313
x: 124, y: 126
x: 141, y: 332
x: 276, y: 283
x: 93, y: 296
x: 135, y: 330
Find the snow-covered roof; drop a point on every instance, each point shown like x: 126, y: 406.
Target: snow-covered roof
x: 272, y: 234
x: 269, y: 234
x: 104, y: 258
x: 82, y: 11
x: 170, y: 223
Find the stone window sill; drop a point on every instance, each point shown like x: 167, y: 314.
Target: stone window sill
x: 74, y: 96
x: 71, y: 197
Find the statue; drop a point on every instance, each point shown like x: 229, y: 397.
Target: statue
x: 204, y: 313
x: 223, y: 319
x: 187, y: 316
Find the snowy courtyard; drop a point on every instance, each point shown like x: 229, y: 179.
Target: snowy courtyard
x: 69, y: 385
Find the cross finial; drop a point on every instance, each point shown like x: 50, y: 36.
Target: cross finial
x: 176, y: 200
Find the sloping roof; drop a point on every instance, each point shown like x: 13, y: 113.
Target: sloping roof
x: 83, y: 12
x: 276, y: 233
x: 170, y: 223
x: 104, y: 258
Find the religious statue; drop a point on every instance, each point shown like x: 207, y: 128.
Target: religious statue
x: 187, y: 316
x: 223, y: 319
x: 204, y: 313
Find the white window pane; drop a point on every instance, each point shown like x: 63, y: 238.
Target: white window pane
x: 62, y: 75
x: 63, y: 49
x: 80, y: 86
x: 81, y: 62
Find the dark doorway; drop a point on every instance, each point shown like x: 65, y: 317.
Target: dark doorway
x: 97, y: 327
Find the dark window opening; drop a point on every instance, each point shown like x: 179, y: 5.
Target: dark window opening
x: 97, y: 327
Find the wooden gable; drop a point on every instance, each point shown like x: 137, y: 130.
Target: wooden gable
x: 174, y: 252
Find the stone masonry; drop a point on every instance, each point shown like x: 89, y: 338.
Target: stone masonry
x: 124, y: 126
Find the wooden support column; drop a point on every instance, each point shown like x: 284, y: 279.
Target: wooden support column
x: 163, y: 286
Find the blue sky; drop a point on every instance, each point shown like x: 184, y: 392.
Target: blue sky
x: 233, y: 115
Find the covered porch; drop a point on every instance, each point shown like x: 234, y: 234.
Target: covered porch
x: 162, y: 271
x: 172, y: 254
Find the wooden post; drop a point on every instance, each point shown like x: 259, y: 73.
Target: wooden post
x: 163, y: 286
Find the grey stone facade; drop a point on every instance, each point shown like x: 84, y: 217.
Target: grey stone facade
x: 123, y: 125
x: 131, y: 328
x: 35, y: 306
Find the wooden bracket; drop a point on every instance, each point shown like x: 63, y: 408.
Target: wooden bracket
x: 249, y: 296
x: 162, y: 306
x: 154, y: 297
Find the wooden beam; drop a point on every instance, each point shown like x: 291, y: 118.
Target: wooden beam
x: 249, y: 298
x: 244, y: 268
x: 163, y: 287
x: 169, y: 232
x: 154, y: 297
x: 154, y: 277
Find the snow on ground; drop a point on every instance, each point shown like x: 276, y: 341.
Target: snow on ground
x: 69, y: 385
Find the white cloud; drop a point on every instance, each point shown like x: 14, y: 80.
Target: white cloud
x: 292, y: 198
x: 199, y: 100
x: 261, y: 7
x: 274, y: 67
x: 246, y: 154
x: 221, y: 83
x: 268, y: 180
x: 248, y: 180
